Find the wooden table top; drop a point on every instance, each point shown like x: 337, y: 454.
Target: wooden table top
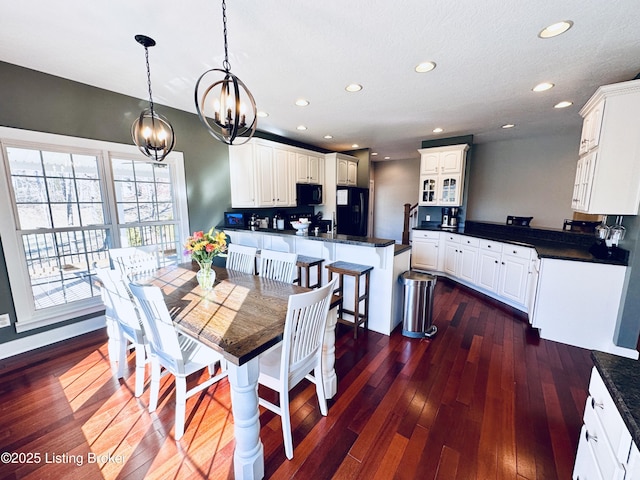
x: 241, y: 317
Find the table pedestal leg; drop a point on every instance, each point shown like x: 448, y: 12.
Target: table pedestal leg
x: 248, y: 457
x: 329, y: 355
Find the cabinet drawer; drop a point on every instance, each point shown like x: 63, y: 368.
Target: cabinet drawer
x: 452, y: 238
x: 491, y: 245
x: 601, y: 405
x: 425, y: 235
x: 470, y: 241
x: 586, y: 466
x: 595, y: 436
x: 516, y: 251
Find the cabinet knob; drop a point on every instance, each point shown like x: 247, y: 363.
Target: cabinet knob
x: 589, y: 437
x: 595, y: 404
x: 515, y: 251
x: 496, y: 261
x: 488, y: 246
x: 502, y: 263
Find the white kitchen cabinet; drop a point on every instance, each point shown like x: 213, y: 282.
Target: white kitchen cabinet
x: 425, y: 250
x: 609, y: 181
x: 242, y: 176
x: 263, y: 173
x: 489, y: 261
x: 461, y: 257
x: 273, y: 177
x: 577, y: 303
x: 309, y: 168
x: 514, y: 273
x: 442, y: 175
x: 605, y: 448
x: 347, y: 170
x: 590, y: 136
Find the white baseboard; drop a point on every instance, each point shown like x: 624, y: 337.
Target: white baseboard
x: 31, y: 342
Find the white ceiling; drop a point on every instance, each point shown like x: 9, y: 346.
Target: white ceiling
x: 487, y: 53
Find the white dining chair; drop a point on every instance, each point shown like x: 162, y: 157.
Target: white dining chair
x: 278, y: 265
x: 135, y: 261
x: 176, y: 353
x: 300, y: 352
x: 124, y: 327
x: 241, y: 258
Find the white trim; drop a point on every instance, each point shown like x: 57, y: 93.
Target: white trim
x: 27, y: 317
x: 31, y: 342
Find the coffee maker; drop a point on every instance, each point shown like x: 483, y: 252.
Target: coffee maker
x: 450, y: 218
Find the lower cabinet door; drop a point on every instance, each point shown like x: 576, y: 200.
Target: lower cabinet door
x: 595, y: 436
x: 424, y: 255
x: 586, y: 467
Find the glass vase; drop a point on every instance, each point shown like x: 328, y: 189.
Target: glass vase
x: 206, y: 276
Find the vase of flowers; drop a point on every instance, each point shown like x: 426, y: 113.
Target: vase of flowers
x: 203, y: 248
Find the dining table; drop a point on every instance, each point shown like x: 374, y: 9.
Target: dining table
x: 241, y: 317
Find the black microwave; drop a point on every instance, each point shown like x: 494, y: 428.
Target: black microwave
x: 308, y: 194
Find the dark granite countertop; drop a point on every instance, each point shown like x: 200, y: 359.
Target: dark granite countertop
x: 399, y: 248
x: 545, y: 248
x: 323, y: 237
x: 622, y: 378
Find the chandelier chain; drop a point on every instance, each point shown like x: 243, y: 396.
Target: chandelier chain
x: 225, y: 64
x: 146, y: 55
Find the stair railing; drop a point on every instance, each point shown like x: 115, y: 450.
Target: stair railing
x: 410, y: 221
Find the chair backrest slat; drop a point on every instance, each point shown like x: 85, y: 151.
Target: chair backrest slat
x: 161, y: 332
x: 278, y: 265
x: 304, y: 331
x: 122, y: 305
x: 135, y: 261
x: 241, y: 258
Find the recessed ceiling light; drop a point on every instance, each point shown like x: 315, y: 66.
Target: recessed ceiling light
x: 353, y: 87
x: 301, y: 127
x: 563, y: 104
x: 438, y: 130
x: 355, y: 145
x: 555, y: 29
x: 387, y: 158
x: 262, y: 114
x: 301, y: 102
x: 328, y: 137
x: 373, y: 154
x: 425, y: 67
x: 508, y: 125
x: 541, y: 87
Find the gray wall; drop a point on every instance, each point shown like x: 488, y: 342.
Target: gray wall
x: 35, y: 101
x: 525, y: 177
x: 396, y: 183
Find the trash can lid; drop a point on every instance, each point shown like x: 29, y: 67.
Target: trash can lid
x: 411, y: 277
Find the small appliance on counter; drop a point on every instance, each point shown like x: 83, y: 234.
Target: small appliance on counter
x: 607, y: 238
x: 450, y: 218
x: 519, y: 221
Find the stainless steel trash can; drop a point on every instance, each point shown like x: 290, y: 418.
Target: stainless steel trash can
x: 418, y: 304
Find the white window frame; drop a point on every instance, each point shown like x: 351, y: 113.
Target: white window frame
x: 28, y: 317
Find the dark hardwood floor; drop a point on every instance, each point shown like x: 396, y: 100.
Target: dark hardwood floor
x: 484, y: 399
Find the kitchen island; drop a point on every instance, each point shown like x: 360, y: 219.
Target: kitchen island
x: 388, y: 262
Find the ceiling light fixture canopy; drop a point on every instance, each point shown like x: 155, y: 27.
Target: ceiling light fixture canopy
x: 234, y: 110
x: 151, y: 132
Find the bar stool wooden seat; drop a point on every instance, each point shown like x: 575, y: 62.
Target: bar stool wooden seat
x: 356, y: 271
x: 305, y: 262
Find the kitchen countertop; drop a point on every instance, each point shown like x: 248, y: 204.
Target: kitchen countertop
x: 622, y: 378
x: 544, y: 248
x: 323, y: 237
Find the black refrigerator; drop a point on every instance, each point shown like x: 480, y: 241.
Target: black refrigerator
x: 352, y: 205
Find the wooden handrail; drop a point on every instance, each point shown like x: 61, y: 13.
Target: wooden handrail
x: 408, y: 209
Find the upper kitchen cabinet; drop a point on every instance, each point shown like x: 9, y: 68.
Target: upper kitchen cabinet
x: 262, y: 174
x: 608, y: 170
x: 242, y: 176
x: 347, y: 170
x: 442, y: 175
x: 309, y: 168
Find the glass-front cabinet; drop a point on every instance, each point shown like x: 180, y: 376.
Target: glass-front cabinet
x: 441, y: 179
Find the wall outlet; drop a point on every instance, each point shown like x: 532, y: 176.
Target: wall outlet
x: 428, y: 218
x: 4, y: 320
